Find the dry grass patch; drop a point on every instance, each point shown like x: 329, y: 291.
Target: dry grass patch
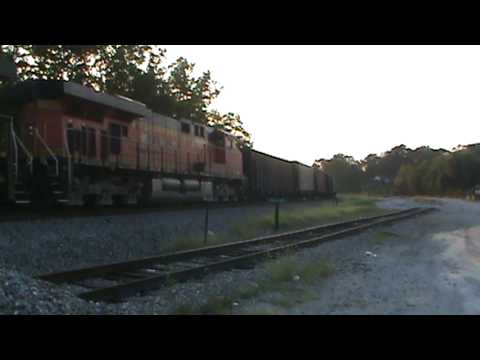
x: 284, y: 276
x: 349, y: 207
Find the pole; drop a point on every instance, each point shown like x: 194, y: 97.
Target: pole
x: 205, y: 230
x: 277, y: 206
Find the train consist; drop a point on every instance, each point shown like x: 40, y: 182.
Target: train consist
x: 62, y: 142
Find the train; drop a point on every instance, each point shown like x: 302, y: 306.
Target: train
x: 65, y: 143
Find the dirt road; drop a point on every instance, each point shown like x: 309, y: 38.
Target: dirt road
x: 426, y: 265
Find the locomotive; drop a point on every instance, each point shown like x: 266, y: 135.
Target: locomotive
x: 66, y: 143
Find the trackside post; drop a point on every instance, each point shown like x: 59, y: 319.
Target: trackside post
x: 205, y: 230
x: 277, y: 202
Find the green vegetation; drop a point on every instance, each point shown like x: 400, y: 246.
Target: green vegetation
x: 349, y: 207
x: 384, y: 235
x: 285, y: 276
x: 403, y: 171
x: 286, y: 268
x: 136, y: 71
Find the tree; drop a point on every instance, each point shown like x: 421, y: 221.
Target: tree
x: 192, y: 95
x: 135, y: 71
x: 345, y: 170
x: 230, y: 123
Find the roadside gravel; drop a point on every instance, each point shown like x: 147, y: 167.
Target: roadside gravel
x: 424, y: 265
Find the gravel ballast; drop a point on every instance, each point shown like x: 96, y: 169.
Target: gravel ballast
x: 42, y: 246
x: 424, y: 265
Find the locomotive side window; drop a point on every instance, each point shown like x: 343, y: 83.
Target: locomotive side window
x: 199, y: 131
x: 104, y: 144
x: 115, y: 139
x: 92, y: 143
x: 186, y: 128
x: 83, y: 141
x: 72, y: 147
x: 124, y: 131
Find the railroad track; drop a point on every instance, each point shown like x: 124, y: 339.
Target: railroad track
x: 26, y: 213
x: 114, y: 282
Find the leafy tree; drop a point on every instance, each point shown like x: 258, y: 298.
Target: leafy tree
x: 346, y: 172
x: 230, y: 123
x: 192, y: 95
x: 135, y: 71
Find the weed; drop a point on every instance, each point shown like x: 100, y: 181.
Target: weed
x: 384, y: 235
x: 287, y: 268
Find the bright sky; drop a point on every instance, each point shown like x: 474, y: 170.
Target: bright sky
x: 308, y: 102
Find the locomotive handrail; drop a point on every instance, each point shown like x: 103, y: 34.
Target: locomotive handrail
x: 69, y: 158
x: 49, y: 151
x: 15, y: 150
x: 24, y: 148
x: 17, y: 141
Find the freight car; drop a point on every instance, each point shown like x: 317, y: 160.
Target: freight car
x: 269, y: 176
x: 66, y: 143
x: 74, y: 145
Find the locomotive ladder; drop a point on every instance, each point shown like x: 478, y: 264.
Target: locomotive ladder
x: 58, y: 188
x: 17, y: 190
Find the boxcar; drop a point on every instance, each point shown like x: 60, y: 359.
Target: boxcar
x: 268, y: 176
x: 321, y: 182
x: 304, y: 178
x: 330, y: 185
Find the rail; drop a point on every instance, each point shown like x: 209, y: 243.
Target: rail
x: 51, y: 153
x: 133, y: 277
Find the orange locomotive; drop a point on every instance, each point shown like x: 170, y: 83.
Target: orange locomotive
x: 68, y: 143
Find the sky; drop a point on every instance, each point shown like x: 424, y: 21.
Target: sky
x: 309, y: 102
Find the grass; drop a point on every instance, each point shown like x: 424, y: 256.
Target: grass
x: 264, y: 310
x: 384, y: 235
x: 280, y: 275
x: 286, y: 268
x: 350, y: 206
x: 214, y: 305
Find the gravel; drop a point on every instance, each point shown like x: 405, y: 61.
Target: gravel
x: 424, y: 265
x: 43, y: 246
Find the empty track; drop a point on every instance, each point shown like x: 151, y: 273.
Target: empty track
x: 117, y: 281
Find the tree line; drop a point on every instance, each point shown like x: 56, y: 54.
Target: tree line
x: 403, y: 171
x: 139, y: 72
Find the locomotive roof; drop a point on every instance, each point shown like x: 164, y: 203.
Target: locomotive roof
x: 52, y: 89
x: 8, y: 70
